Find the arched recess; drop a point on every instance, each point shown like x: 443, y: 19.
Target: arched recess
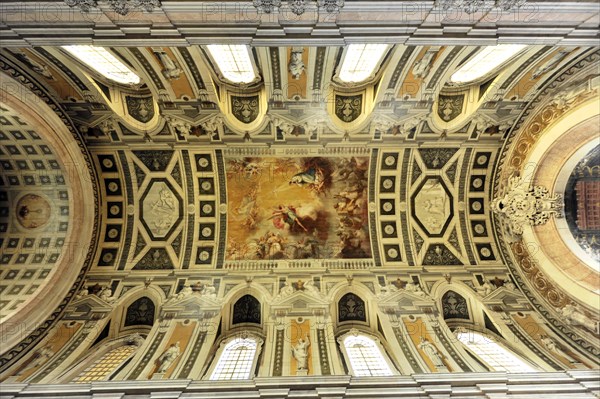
x: 82, y: 189
x: 463, y: 313
x: 240, y: 336
x: 364, y: 316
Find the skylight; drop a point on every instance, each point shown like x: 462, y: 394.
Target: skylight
x: 485, y: 61
x: 103, y: 62
x: 234, y: 62
x: 360, y: 61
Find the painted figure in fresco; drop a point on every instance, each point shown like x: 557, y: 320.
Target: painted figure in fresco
x: 431, y: 352
x: 300, y: 352
x: 311, y: 178
x: 286, y: 215
x: 168, y: 357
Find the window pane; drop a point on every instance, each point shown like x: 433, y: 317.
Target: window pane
x: 104, y: 63
x: 236, y: 360
x: 103, y: 367
x: 495, y: 355
x: 233, y: 62
x: 365, y: 357
x: 485, y: 61
x: 360, y: 61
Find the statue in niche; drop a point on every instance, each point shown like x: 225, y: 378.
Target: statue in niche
x: 40, y: 357
x: 551, y: 345
x: 300, y: 352
x: 573, y: 316
x: 432, y: 353
x: 296, y: 65
x: 168, y: 357
x: 170, y: 71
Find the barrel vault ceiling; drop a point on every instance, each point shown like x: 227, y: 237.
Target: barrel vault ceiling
x: 296, y: 174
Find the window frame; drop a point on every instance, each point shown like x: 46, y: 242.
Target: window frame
x: 221, y: 349
x: 500, y: 342
x: 96, y: 73
x: 373, y: 74
x: 219, y: 72
x: 487, y: 75
x: 382, y: 351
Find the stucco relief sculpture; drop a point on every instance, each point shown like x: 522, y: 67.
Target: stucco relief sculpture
x: 180, y: 126
x: 523, y: 205
x: 572, y: 315
x: 432, y: 353
x: 168, y: 357
x: 485, y: 289
x: 170, y: 70
x: 551, y: 345
x: 300, y: 352
x: 296, y: 65
x: 423, y: 66
x: 550, y: 64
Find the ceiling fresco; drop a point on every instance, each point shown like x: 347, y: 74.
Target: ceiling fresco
x: 297, y: 208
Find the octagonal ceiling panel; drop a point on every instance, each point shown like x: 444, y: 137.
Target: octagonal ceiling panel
x: 161, y: 209
x: 432, y: 206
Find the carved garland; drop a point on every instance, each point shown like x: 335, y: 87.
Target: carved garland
x: 514, y: 152
x: 19, y: 350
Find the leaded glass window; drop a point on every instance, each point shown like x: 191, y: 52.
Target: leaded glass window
x: 496, y: 356
x: 102, y: 368
x: 236, y: 360
x: 365, y: 356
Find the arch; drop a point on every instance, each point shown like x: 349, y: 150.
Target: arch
x: 365, y: 355
x: 351, y: 307
x: 141, y: 312
x: 455, y: 306
x: 247, y: 309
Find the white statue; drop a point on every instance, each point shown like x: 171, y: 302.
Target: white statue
x: 36, y: 66
x: 423, y: 66
x: 184, y: 293
x: 415, y: 289
x: 82, y: 293
x: 212, y: 123
x: 170, y: 71
x: 209, y: 290
x: 182, y: 127
x: 389, y: 288
x: 40, y: 357
x: 486, y: 288
x: 300, y: 352
x: 168, y: 357
x: 550, y: 344
x: 431, y: 352
x: 573, y: 316
x: 550, y: 64
x: 286, y: 290
x: 509, y: 285
x: 296, y: 65
x: 106, y: 295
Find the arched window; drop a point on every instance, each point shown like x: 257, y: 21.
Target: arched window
x: 360, y: 61
x: 496, y: 356
x: 103, y: 368
x: 484, y: 62
x: 237, y: 359
x: 246, y: 310
x: 103, y: 62
x: 365, y: 356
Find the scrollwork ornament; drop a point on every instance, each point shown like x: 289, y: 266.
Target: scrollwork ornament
x: 83, y: 5
x: 331, y: 6
x: 266, y: 6
x: 523, y: 205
